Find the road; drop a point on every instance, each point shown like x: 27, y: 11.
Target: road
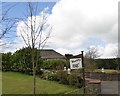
x: 110, y: 87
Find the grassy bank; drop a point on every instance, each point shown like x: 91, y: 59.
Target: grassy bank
x: 17, y: 83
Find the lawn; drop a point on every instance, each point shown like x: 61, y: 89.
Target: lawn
x: 17, y: 83
x: 107, y: 71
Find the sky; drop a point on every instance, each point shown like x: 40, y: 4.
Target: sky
x: 76, y: 26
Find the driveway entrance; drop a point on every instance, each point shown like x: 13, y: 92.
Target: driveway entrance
x: 110, y: 87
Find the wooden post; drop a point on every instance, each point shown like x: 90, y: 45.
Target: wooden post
x: 83, y: 71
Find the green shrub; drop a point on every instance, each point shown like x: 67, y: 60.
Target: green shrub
x: 45, y: 74
x: 62, y: 76
x: 72, y: 79
x: 79, y: 83
x: 75, y: 80
x: 54, y: 64
x: 53, y: 77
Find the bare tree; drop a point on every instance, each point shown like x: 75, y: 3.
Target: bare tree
x: 91, y: 55
x: 35, y: 33
x: 116, y: 54
x: 6, y: 22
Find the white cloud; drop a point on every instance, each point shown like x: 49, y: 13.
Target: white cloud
x: 75, y: 22
x: 109, y: 51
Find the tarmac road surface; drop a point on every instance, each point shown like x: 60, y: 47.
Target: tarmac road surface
x: 110, y: 87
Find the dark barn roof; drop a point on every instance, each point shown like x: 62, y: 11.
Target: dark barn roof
x: 50, y: 54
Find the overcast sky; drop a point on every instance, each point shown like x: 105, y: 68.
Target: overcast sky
x: 79, y: 24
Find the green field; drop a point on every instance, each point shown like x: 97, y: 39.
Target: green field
x: 17, y: 83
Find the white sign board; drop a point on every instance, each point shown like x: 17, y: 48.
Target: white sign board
x: 75, y: 63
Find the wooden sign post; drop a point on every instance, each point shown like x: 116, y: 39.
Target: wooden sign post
x: 77, y: 62
x: 83, y: 68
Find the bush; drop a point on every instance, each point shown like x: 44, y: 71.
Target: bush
x: 45, y: 74
x: 80, y: 82
x: 62, y: 76
x: 75, y: 80
x: 72, y: 79
x: 54, y: 64
x: 53, y: 77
